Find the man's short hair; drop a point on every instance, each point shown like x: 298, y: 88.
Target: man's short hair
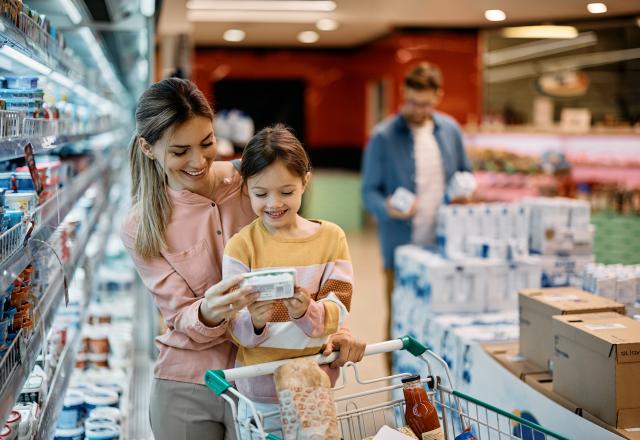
x: 424, y: 76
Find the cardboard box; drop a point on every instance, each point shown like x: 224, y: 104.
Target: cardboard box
x: 537, y: 306
x: 597, y: 365
x: 507, y: 355
x: 543, y: 383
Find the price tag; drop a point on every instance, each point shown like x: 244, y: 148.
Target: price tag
x: 33, y: 170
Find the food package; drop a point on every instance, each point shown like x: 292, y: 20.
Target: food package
x: 271, y: 283
x: 402, y: 199
x: 307, y: 410
x: 386, y: 433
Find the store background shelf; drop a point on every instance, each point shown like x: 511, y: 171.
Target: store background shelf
x: 13, y: 147
x: 49, y: 216
x: 20, y: 358
x: 60, y: 381
x: 616, y: 240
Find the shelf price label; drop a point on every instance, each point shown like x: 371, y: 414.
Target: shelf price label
x: 33, y: 170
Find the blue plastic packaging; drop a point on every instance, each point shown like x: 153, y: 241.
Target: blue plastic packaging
x: 102, y: 433
x: 21, y: 82
x: 69, y: 433
x: 71, y: 410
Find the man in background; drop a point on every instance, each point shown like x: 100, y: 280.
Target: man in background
x: 420, y: 150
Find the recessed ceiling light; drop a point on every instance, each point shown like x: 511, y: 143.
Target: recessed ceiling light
x: 234, y: 35
x: 263, y: 5
x: 308, y: 37
x: 597, y: 8
x: 543, y: 31
x: 495, y: 15
x: 327, y: 24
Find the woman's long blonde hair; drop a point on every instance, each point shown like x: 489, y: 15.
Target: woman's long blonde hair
x: 164, y: 106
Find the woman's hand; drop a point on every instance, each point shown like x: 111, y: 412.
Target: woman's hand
x: 224, y: 299
x: 350, y: 348
x: 298, y: 304
x: 261, y: 312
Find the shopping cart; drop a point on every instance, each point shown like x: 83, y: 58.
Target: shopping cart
x: 358, y: 417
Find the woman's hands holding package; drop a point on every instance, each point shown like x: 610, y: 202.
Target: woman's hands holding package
x: 224, y: 299
x: 298, y: 304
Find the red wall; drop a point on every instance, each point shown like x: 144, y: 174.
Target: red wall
x: 335, y: 102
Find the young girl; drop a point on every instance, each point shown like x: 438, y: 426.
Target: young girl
x: 276, y: 170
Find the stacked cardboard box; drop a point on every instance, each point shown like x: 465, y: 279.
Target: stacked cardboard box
x: 597, y: 365
x: 507, y: 355
x: 537, y: 308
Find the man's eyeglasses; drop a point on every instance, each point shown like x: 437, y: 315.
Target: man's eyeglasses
x: 420, y: 104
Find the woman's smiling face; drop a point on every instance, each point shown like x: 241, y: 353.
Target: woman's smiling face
x: 186, y: 154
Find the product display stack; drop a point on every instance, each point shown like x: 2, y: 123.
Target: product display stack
x: 482, y: 260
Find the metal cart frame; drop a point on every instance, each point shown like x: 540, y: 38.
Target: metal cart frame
x: 458, y: 412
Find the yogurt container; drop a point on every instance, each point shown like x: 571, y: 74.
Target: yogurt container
x: 106, y: 412
x: 72, y: 409
x: 69, y: 433
x: 6, y: 432
x: 21, y: 82
x: 21, y: 201
x: 99, y: 422
x: 102, y: 433
x: 99, y: 397
x: 13, y: 421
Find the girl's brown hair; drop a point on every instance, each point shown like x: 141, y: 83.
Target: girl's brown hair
x: 270, y: 145
x: 164, y: 106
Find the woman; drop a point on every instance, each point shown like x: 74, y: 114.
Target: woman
x: 185, y: 208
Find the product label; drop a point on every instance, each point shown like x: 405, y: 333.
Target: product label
x: 606, y: 326
x: 558, y: 298
x: 274, y: 291
x: 436, y: 434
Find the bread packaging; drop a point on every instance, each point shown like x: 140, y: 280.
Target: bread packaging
x: 306, y: 403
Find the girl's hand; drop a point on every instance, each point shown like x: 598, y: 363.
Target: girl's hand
x: 261, y: 312
x: 350, y: 348
x: 224, y: 299
x: 298, y: 304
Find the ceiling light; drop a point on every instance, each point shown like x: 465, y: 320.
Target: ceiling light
x: 327, y: 24
x: 495, y: 15
x: 252, y: 16
x: 72, y: 11
x: 540, y: 32
x: 308, y: 37
x: 597, y: 8
x: 234, y: 35
x: 26, y: 61
x: 262, y: 5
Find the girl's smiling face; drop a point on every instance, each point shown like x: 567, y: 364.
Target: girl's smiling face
x: 276, y: 196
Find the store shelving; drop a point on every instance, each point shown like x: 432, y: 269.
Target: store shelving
x: 43, y: 55
x: 48, y: 216
x: 21, y: 356
x: 66, y: 363
x: 38, y: 45
x: 13, y: 147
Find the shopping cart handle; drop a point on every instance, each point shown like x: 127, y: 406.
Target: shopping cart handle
x: 218, y: 380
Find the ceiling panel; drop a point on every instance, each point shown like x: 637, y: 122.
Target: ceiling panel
x: 364, y: 20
